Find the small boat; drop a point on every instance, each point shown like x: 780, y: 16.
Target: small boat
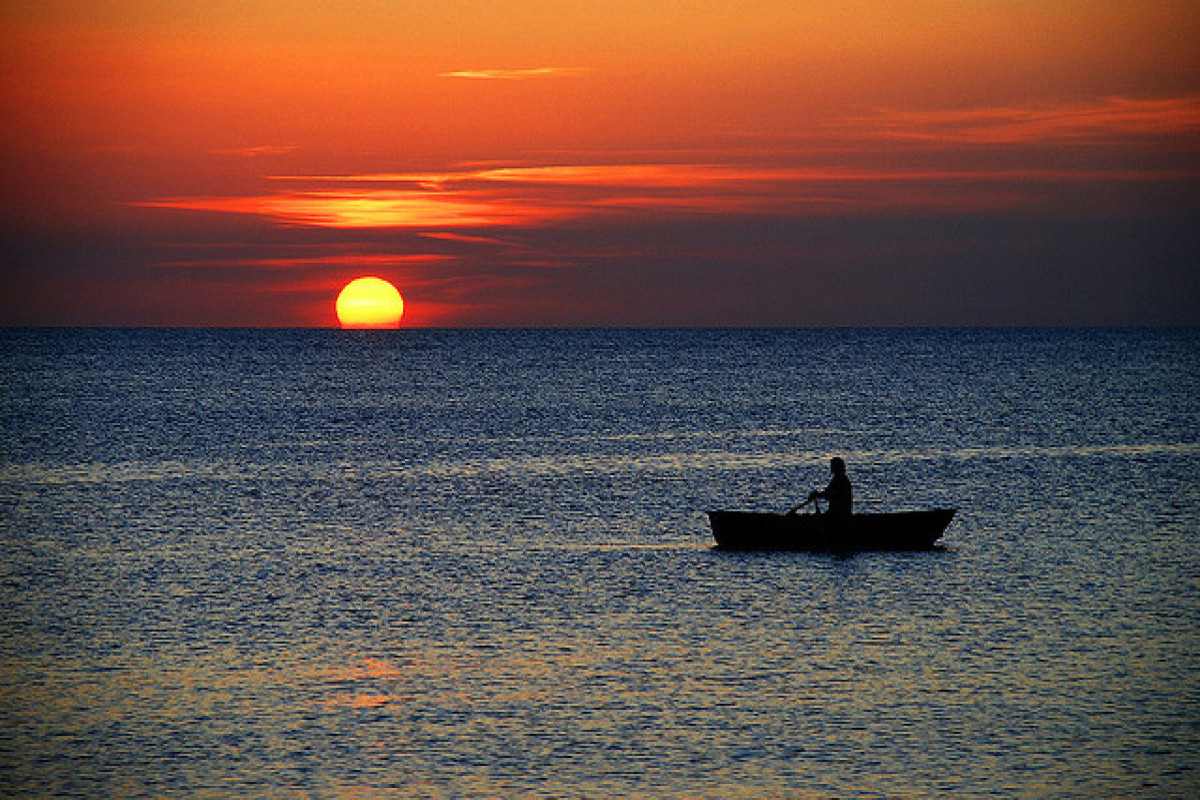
x: 903, y: 530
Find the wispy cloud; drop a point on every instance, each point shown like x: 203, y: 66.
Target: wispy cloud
x: 464, y: 238
x: 473, y: 202
x: 256, y: 151
x: 1098, y: 121
x: 368, y: 208
x: 315, y: 263
x: 514, y: 74
x: 507, y: 197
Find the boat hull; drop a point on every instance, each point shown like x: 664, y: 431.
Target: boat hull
x: 903, y: 530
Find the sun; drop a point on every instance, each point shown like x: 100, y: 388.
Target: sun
x: 369, y: 303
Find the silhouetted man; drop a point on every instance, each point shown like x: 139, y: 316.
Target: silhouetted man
x: 839, y: 493
x: 840, y: 496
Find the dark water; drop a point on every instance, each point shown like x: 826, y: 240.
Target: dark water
x: 459, y: 564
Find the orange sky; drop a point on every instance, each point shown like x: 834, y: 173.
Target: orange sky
x: 543, y: 163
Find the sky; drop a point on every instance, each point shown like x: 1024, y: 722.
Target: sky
x: 601, y: 162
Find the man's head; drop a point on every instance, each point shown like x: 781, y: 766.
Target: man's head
x: 837, y: 465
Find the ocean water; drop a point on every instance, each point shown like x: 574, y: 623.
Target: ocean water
x: 476, y: 564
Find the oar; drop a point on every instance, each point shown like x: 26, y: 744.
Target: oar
x: 822, y: 523
x: 822, y: 527
x: 802, y: 505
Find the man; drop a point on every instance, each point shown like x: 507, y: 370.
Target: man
x: 840, y: 496
x: 839, y: 493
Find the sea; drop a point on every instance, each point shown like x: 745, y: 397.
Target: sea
x: 476, y: 563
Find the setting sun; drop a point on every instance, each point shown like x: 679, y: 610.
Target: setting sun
x: 369, y: 303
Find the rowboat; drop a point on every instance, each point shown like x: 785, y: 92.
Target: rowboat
x: 902, y: 530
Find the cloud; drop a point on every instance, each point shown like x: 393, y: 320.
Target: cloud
x: 514, y: 74
x: 1103, y: 120
x: 522, y: 196
x: 257, y: 151
x: 459, y: 237
x: 368, y: 208
x: 315, y: 263
x: 955, y: 160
